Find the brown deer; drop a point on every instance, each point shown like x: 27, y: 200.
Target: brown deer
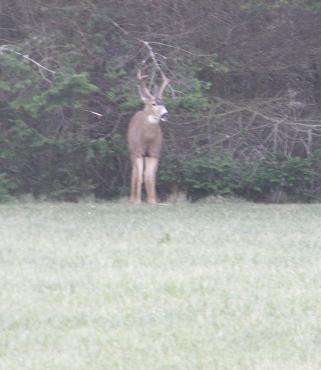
x: 145, y: 141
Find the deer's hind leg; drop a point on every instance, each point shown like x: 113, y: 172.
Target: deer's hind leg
x: 137, y: 180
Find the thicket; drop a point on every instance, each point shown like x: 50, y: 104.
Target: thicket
x: 275, y: 178
x: 244, y: 100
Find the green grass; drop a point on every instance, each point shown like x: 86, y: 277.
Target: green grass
x: 108, y: 286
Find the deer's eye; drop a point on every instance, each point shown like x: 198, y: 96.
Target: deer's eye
x: 154, y: 104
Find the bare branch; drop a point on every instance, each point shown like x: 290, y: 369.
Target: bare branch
x: 8, y: 48
x: 152, y: 55
x: 92, y: 112
x: 157, y: 67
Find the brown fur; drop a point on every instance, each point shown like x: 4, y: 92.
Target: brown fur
x: 145, y: 138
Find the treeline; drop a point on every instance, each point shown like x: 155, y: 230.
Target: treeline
x: 245, y: 114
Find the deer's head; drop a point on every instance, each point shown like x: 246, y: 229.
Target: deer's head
x: 154, y: 105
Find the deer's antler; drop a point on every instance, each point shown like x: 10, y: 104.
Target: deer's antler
x: 144, y: 92
x: 165, y: 82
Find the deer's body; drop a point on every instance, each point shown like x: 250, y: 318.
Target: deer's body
x: 144, y: 138
x: 145, y: 143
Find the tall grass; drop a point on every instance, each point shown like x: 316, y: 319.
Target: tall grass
x: 107, y: 286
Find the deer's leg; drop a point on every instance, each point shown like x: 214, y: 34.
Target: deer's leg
x: 137, y: 180
x: 151, y: 165
x: 133, y: 184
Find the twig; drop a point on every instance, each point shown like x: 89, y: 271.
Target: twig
x: 118, y: 26
x: 92, y: 112
x: 183, y: 50
x: 155, y: 62
x: 10, y: 50
x: 152, y: 55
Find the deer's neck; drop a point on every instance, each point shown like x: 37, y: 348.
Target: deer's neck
x: 152, y: 119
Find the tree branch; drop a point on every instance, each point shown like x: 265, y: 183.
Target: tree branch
x: 9, y: 49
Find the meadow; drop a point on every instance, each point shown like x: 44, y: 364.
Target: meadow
x: 106, y: 286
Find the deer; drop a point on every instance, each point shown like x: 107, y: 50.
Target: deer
x: 145, y: 139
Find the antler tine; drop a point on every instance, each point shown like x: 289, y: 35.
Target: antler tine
x: 142, y: 86
x: 165, y: 82
x: 139, y: 75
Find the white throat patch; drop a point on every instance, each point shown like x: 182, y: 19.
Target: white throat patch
x: 152, y: 119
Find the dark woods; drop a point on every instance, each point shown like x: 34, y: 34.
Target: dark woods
x: 245, y: 103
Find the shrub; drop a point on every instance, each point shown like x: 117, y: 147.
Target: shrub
x: 7, y: 187
x: 299, y: 178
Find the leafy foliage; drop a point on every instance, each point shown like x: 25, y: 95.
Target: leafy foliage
x: 299, y: 178
x: 66, y: 91
x: 7, y: 187
x: 194, y: 100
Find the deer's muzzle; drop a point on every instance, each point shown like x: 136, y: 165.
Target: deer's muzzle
x: 164, y: 117
x: 163, y: 113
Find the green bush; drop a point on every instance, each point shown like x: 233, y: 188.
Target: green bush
x: 204, y: 176
x: 193, y: 101
x: 7, y: 187
x: 299, y: 178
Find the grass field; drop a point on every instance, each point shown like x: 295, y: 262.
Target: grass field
x: 108, y: 286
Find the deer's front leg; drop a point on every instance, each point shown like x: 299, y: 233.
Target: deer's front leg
x: 151, y: 165
x: 137, y: 180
